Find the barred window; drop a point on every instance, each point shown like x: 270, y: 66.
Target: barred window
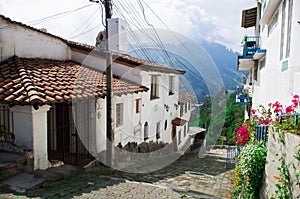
x: 119, y: 114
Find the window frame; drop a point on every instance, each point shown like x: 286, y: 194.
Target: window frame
x: 138, y: 105
x: 273, y: 23
x: 154, y: 87
x: 171, y: 85
x: 157, y: 130
x: 179, y: 137
x: 119, y: 114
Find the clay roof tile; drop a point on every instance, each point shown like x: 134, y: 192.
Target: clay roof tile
x: 41, y: 81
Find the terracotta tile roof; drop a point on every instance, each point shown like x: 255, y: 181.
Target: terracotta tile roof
x: 185, y: 97
x: 118, y: 57
x: 178, y: 121
x: 42, y: 81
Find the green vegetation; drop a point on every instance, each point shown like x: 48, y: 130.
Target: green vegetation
x: 233, y: 117
x: 249, y: 171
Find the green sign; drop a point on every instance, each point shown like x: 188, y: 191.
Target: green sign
x: 284, y: 66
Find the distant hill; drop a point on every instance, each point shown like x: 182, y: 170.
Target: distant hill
x: 225, y: 60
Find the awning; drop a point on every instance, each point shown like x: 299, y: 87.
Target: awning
x: 195, y: 130
x: 178, y: 121
x: 249, y: 17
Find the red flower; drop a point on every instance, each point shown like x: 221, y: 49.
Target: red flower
x: 277, y: 105
x: 242, y: 130
x: 296, y: 96
x: 253, y: 112
x: 289, y: 109
x: 243, y: 135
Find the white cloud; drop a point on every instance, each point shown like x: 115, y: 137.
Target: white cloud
x: 212, y: 20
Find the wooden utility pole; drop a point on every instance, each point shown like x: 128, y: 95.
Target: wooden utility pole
x: 109, y: 89
x: 109, y: 94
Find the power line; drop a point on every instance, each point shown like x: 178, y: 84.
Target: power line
x: 85, y: 23
x: 85, y: 32
x: 61, y: 14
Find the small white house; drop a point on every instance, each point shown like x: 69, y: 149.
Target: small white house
x: 53, y: 94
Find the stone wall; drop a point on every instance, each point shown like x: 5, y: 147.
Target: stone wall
x: 277, y: 149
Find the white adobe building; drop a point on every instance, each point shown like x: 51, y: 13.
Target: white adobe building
x: 53, y: 93
x: 271, y: 56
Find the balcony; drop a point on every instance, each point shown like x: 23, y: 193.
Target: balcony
x: 251, y: 53
x: 242, y: 96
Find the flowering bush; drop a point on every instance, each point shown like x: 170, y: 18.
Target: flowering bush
x: 243, y: 135
x: 251, y: 161
x: 271, y: 114
x: 249, y: 171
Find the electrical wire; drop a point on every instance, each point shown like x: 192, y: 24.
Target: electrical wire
x: 61, y: 14
x: 85, y: 23
x: 137, y: 22
x: 85, y: 32
x: 181, y: 43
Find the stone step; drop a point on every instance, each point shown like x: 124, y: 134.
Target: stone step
x: 11, y: 169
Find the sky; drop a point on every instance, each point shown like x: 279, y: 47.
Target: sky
x: 211, y: 20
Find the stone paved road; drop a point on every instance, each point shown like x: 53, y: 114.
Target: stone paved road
x: 188, y: 177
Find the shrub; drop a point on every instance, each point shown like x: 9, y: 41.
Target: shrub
x: 249, y: 171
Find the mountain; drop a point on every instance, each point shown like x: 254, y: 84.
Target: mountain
x: 226, y: 61
x: 197, y: 80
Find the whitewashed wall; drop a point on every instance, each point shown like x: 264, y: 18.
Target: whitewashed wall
x: 275, y: 84
x: 24, y: 42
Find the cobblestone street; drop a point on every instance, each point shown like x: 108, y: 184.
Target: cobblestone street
x: 188, y: 177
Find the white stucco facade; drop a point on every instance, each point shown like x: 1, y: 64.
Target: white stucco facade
x: 25, y: 42
x: 278, y: 72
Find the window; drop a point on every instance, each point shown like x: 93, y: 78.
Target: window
x: 166, y: 125
x: 184, y: 132
x: 185, y: 107
x: 289, y: 27
x: 119, y: 115
x: 179, y: 137
x: 146, y: 137
x: 154, y: 87
x: 138, y: 105
x: 6, y: 124
x: 157, y: 130
x: 282, y: 29
x: 181, y: 109
x: 171, y: 85
x: 273, y: 23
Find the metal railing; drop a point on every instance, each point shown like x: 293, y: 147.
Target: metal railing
x: 232, y: 154
x: 261, y: 133
x: 242, y: 97
x: 295, y: 115
x: 251, y: 45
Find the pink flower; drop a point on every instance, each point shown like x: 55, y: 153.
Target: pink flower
x: 296, y: 96
x: 289, y: 109
x: 295, y: 103
x: 243, y: 135
x: 253, y: 112
x: 242, y: 130
x: 277, y: 105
